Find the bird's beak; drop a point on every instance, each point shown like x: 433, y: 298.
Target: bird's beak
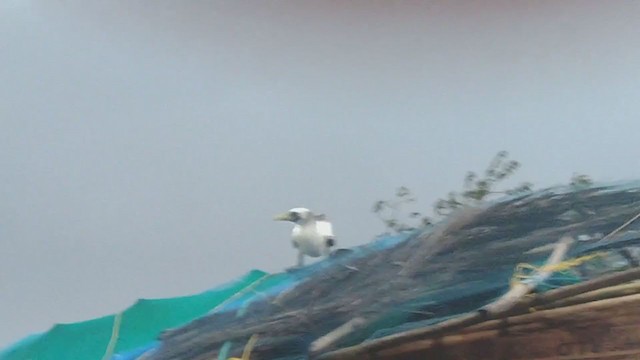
x: 283, y: 217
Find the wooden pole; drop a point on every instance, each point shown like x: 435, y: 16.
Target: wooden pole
x: 334, y: 336
x: 391, y: 350
x: 581, y: 288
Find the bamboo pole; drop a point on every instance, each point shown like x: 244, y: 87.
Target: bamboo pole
x: 595, y: 295
x: 592, y: 311
x: 334, y: 336
x: 527, y: 322
x: 581, y: 288
x: 523, y: 319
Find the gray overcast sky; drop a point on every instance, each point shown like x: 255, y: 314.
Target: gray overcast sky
x: 145, y: 146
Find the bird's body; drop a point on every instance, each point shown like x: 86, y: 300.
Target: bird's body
x: 312, y: 235
x: 311, y: 238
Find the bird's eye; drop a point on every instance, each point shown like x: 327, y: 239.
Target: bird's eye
x: 295, y: 216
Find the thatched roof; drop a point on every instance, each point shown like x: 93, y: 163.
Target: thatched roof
x: 423, y: 278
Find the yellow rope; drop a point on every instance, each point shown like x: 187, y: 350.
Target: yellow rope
x: 519, y: 272
x: 246, y: 354
x: 240, y: 293
x: 524, y: 271
x: 115, y: 332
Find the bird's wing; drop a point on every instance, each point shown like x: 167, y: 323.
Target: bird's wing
x: 295, y: 233
x: 324, y: 228
x: 320, y: 217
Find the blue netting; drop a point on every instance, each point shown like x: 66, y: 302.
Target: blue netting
x: 135, y: 353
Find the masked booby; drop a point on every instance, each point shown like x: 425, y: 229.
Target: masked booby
x: 312, y: 234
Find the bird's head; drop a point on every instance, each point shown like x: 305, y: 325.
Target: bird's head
x: 295, y: 215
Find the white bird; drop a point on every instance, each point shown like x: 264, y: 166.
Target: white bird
x: 312, y: 234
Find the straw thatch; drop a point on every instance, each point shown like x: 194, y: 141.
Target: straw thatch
x: 445, y: 272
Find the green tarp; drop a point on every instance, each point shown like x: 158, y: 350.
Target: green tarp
x: 137, y: 326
